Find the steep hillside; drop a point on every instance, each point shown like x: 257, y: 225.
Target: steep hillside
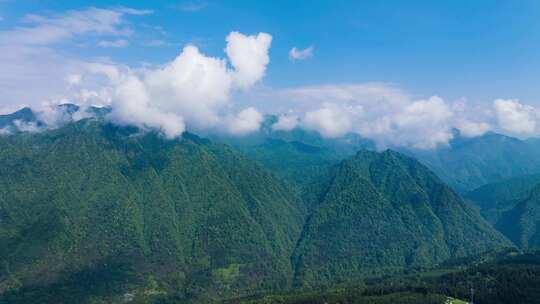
x: 94, y: 210
x: 495, y: 198
x: 381, y: 212
x: 521, y: 224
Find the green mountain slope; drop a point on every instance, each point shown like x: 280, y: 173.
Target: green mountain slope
x: 91, y: 208
x: 298, y: 156
x: 495, y: 198
x: 382, y: 212
x: 468, y: 163
x: 521, y: 224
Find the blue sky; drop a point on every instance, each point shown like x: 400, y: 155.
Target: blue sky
x: 477, y: 49
x: 467, y: 53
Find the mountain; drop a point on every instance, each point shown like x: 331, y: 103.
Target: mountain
x: 298, y: 156
x: 94, y: 212
x: 24, y: 115
x: 91, y: 211
x: 521, y: 224
x: 465, y: 163
x: 383, y: 212
x: 468, y: 163
x: 495, y: 198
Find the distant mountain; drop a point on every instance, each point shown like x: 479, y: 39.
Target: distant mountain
x: 24, y: 118
x: 495, y: 198
x: 465, y: 164
x: 297, y: 155
x: 521, y: 224
x: 382, y: 212
x: 91, y: 209
x: 468, y: 163
x: 25, y: 115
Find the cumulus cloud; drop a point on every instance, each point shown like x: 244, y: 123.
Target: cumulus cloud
x: 299, y: 54
x: 331, y: 120
x: 192, y: 90
x: 517, y: 118
x: 286, y: 122
x: 246, y: 121
x: 249, y: 57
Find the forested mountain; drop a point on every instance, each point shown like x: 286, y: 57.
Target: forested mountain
x: 465, y: 164
x: 493, y: 199
x: 521, y: 224
x: 381, y: 212
x: 468, y: 163
x: 299, y: 156
x: 93, y: 210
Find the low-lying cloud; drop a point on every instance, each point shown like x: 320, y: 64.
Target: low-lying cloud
x: 391, y: 117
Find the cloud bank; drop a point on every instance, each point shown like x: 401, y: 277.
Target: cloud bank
x: 392, y: 117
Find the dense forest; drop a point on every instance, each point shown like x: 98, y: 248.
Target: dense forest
x: 93, y: 212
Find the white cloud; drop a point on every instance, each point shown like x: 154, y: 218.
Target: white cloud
x: 33, y: 54
x: 298, y: 54
x: 134, y: 11
x: 120, y: 43
x: 46, y: 30
x: 380, y: 112
x: 74, y: 79
x: 246, y: 121
x: 286, y: 122
x: 193, y: 90
x: 330, y: 120
x: 517, y: 118
x: 26, y: 126
x: 249, y: 57
x: 473, y: 129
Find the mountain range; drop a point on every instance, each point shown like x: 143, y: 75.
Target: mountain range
x: 91, y: 211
